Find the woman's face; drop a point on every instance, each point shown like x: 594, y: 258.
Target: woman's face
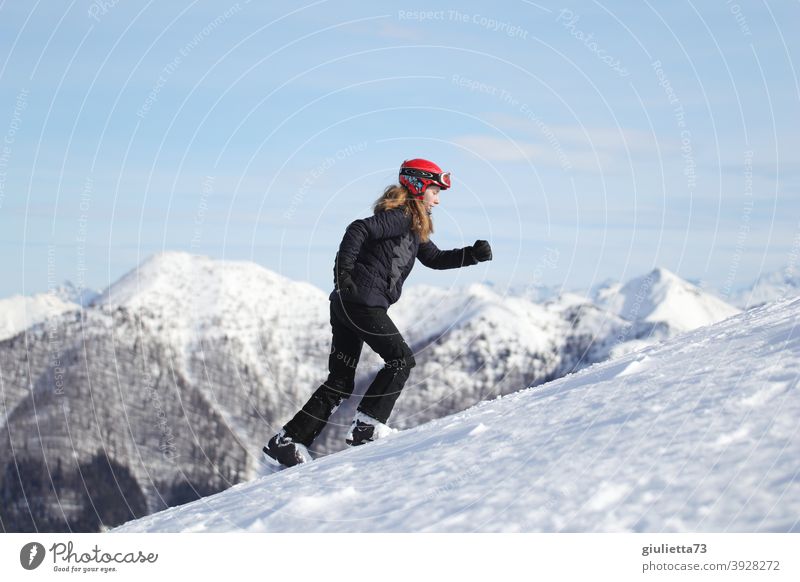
x: 431, y: 197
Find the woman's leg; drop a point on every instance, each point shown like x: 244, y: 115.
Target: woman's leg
x: 346, y: 348
x: 375, y: 327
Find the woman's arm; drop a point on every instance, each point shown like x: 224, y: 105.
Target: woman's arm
x: 433, y: 258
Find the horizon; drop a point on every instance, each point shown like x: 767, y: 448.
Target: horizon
x: 513, y: 290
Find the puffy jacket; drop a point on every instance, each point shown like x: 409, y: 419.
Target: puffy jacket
x: 379, y: 253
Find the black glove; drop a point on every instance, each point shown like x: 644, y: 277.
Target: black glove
x: 481, y: 251
x: 345, y: 285
x: 343, y: 278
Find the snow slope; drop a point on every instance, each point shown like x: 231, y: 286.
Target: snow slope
x: 698, y: 433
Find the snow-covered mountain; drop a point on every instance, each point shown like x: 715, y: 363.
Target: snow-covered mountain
x: 71, y: 294
x: 600, y: 293
x: 658, y: 306
x: 174, y: 375
x: 20, y: 312
x: 781, y: 284
x: 697, y: 434
x: 663, y: 297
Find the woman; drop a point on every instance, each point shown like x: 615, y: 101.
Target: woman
x: 374, y: 259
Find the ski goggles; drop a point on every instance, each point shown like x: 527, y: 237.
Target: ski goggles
x: 442, y: 180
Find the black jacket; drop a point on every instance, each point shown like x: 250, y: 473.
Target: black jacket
x: 379, y: 252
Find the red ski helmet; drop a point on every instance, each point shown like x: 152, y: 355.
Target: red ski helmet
x: 418, y: 174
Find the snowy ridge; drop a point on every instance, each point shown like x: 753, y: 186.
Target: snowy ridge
x: 698, y: 433
x: 70, y: 293
x: 19, y: 312
x: 662, y: 296
x: 781, y: 284
x: 428, y: 312
x: 198, y: 294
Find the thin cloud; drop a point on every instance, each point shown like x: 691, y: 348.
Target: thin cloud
x: 615, y: 139
x: 497, y: 149
x: 396, y: 31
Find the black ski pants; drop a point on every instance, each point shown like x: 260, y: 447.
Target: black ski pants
x: 353, y: 325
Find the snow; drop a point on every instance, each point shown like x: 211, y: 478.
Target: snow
x: 698, y: 433
x: 379, y: 431
x: 662, y: 296
x: 195, y: 299
x: 19, y: 312
x: 197, y: 293
x: 78, y: 295
x: 781, y: 284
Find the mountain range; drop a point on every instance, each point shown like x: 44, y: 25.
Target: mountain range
x: 164, y: 386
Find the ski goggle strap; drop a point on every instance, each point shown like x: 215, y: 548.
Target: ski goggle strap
x: 442, y: 180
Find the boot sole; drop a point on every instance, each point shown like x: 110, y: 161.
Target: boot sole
x: 286, y: 456
x: 350, y: 443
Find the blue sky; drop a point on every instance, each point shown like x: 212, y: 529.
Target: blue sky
x: 586, y: 140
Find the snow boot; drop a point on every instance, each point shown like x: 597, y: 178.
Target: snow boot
x: 287, y: 452
x: 366, y: 429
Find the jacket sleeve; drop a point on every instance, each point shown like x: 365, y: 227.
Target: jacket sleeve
x: 383, y: 225
x: 433, y: 258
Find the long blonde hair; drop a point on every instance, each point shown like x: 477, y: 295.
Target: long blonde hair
x: 396, y: 196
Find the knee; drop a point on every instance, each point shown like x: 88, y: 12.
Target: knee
x: 404, y: 361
